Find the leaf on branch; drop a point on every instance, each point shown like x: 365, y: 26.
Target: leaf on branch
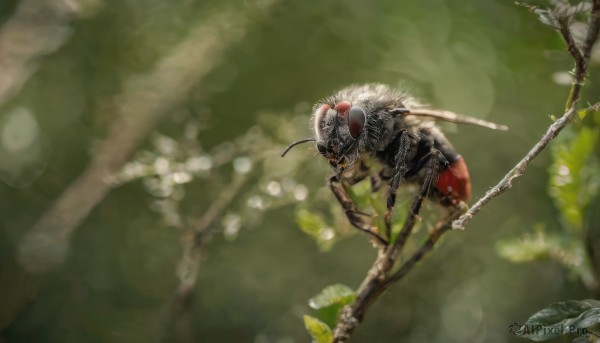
x: 315, y: 226
x: 546, y: 16
x: 592, y: 109
x: 319, y: 331
x: 570, y: 317
x: 573, y: 181
x: 361, y: 194
x: 337, y: 294
x: 582, y: 113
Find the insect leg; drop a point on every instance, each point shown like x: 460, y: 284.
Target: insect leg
x: 405, y: 149
x: 376, y: 181
x: 350, y: 209
x: 433, y: 163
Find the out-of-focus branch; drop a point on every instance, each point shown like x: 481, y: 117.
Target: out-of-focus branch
x: 193, y: 238
x: 145, y: 100
x: 581, y: 58
x: 37, y: 28
x: 179, y: 320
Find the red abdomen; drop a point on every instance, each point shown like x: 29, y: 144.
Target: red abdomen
x: 454, y: 183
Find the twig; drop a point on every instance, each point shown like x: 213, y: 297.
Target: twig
x: 374, y: 284
x: 581, y: 58
x: 178, y: 320
x: 193, y: 238
x: 441, y: 228
x: 378, y: 278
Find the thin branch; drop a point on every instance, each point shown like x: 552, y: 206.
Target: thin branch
x: 178, y: 320
x: 374, y: 284
x: 593, y: 29
x: 441, y: 228
x: 581, y: 59
x: 378, y: 278
x: 565, y: 32
x: 193, y: 237
x: 593, y: 108
x: 516, y: 171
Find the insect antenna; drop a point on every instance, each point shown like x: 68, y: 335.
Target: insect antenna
x: 296, y: 143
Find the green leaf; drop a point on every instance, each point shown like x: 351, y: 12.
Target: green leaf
x: 378, y: 205
x: 570, y: 317
x: 309, y: 222
x: 361, y: 194
x: 557, y: 312
x: 337, y: 294
x: 573, y: 181
x: 319, y: 331
x: 586, y: 319
x: 315, y: 226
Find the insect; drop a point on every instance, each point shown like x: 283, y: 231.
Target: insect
x: 364, y: 123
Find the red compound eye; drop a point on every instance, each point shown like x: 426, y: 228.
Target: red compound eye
x: 356, y: 121
x: 342, y: 108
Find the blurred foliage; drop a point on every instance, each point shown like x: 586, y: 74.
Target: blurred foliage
x: 171, y: 163
x: 575, y: 176
x: 574, y: 181
x: 481, y: 58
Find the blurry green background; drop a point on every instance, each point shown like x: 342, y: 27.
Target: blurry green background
x: 487, y: 59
